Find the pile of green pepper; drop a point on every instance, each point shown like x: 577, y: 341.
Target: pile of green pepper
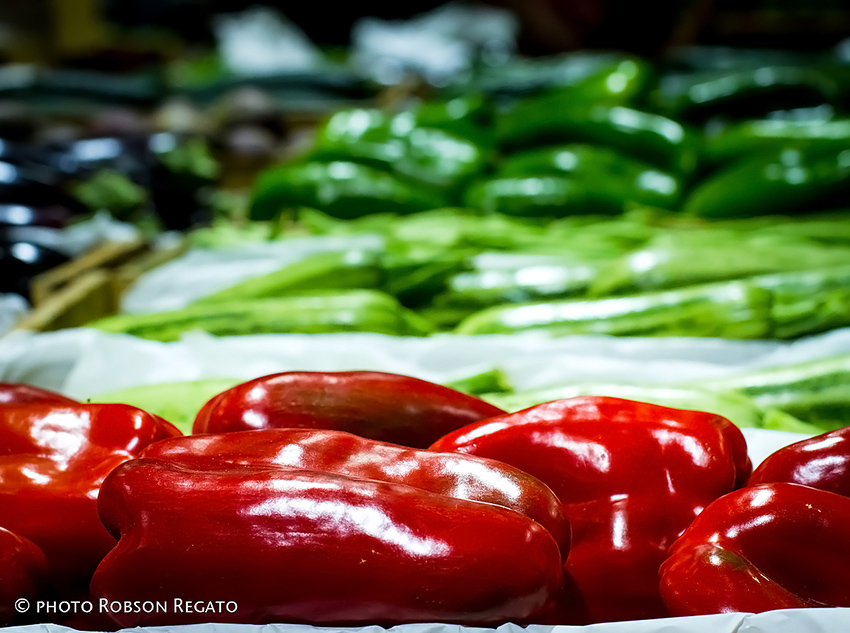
x: 770, y: 139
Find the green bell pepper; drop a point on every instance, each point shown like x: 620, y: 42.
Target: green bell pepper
x: 554, y: 118
x: 748, y: 93
x: 787, y: 181
x: 613, y: 174
x: 342, y: 189
x: 428, y: 156
x: 736, y: 140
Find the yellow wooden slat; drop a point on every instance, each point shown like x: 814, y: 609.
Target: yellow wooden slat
x: 87, y: 297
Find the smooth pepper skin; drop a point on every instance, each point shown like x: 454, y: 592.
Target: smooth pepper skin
x: 647, y: 136
x: 301, y: 546
x: 821, y: 462
x: 605, y: 172
x: 52, y: 462
x: 631, y: 476
x: 23, y: 574
x: 340, y: 188
x: 378, y: 405
x: 782, y: 181
x: 448, y: 474
x: 428, y: 156
x: 764, y: 547
x: 12, y: 393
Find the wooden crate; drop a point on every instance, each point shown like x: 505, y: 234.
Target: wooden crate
x: 91, y: 286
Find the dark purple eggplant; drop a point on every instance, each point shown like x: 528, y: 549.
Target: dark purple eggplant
x: 83, y: 157
x: 20, y: 262
x: 21, y: 215
x: 28, y: 187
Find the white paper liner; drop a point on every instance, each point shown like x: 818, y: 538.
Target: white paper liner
x: 834, y: 620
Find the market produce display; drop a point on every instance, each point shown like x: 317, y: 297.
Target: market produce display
x: 596, y: 489
x: 623, y: 198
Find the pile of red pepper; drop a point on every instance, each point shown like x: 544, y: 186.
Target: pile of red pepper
x: 354, y: 498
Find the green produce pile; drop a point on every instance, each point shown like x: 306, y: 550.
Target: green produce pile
x: 643, y: 273
x: 625, y: 199
x: 764, y: 139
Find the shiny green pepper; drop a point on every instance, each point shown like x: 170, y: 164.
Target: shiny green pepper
x: 554, y: 119
x: 792, y: 180
x: 339, y: 188
x: 748, y: 93
x: 738, y: 139
x: 425, y: 155
x: 467, y: 116
x: 624, y: 82
x: 598, y: 167
x: 540, y: 197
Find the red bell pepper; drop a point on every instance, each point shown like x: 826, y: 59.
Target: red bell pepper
x: 631, y: 476
x: 820, y: 462
x: 735, y: 556
x: 53, y: 458
x: 23, y: 576
x: 377, y: 405
x: 766, y: 546
x: 284, y: 544
x: 448, y: 474
x: 20, y: 393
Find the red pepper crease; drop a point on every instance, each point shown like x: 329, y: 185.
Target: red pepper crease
x: 449, y: 474
x: 631, y: 476
x: 301, y: 546
x: 764, y: 547
x: 53, y: 458
x: 23, y: 575
x: 378, y: 405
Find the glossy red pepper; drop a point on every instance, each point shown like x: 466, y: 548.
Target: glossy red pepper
x: 53, y: 458
x: 378, y: 405
x: 764, y: 547
x: 283, y: 544
x: 23, y: 575
x: 820, y: 462
x: 21, y: 393
x: 779, y: 543
x: 631, y: 476
x: 448, y: 474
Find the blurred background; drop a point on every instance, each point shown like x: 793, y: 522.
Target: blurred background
x: 155, y: 117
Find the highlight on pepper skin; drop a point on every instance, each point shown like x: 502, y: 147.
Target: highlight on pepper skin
x: 318, y: 548
x: 631, y: 476
x: 735, y: 557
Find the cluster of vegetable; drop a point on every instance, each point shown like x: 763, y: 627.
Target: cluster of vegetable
x: 452, y: 270
x: 356, y: 498
x: 598, y: 206
x: 769, y: 139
